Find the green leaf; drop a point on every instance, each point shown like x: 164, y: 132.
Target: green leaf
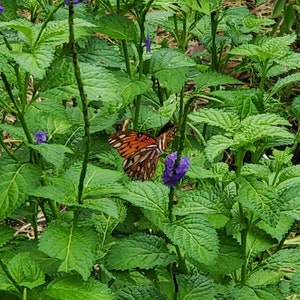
x: 209, y: 79
x: 53, y: 153
x: 74, y: 246
x: 291, y: 201
x: 6, y: 234
x: 263, y: 278
x: 141, y: 251
x: 138, y: 292
x: 226, y: 120
x: 171, y: 68
x: 117, y: 27
x: 230, y: 257
x: 131, y: 88
x: 10, y: 10
x: 284, y: 82
x: 195, y: 287
x: 48, y: 115
x: 95, y: 48
x: 295, y: 283
x: 262, y: 200
x: 108, y: 206
x: 25, y: 271
x: 286, y: 259
x: 74, y: 288
x: 196, y: 236
x: 203, y: 201
x: 265, y: 119
x: 60, y: 190
x: 16, y: 181
x: 99, y: 83
x: 216, y: 145
x: 247, y: 50
x: 148, y: 195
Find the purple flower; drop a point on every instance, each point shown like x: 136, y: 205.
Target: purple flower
x: 172, y: 176
x: 1, y: 9
x: 40, y: 137
x: 148, y: 43
x: 66, y: 2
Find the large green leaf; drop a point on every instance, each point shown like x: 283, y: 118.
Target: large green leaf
x: 196, y: 236
x: 25, y: 271
x: 16, y: 180
x: 99, y: 83
x: 142, y: 251
x: 262, y: 200
x: 138, y: 292
x: 148, y: 195
x: 74, y: 246
x: 226, y: 120
x: 285, y: 259
x: 209, y: 79
x: 117, y: 27
x: 53, y: 153
x: 216, y: 145
x: 74, y: 288
x: 171, y: 68
x: 195, y: 287
x: 230, y: 257
x: 6, y: 234
x: 202, y: 201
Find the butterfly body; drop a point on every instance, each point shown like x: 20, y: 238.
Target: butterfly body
x: 140, y: 151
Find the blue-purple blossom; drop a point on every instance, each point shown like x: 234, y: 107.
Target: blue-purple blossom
x: 66, y: 2
x: 148, y: 44
x: 40, y: 137
x: 1, y: 9
x: 172, y: 174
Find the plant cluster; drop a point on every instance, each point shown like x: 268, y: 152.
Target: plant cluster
x: 218, y: 220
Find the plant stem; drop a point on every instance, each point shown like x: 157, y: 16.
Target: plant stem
x: 83, y: 101
x: 244, y: 232
x: 214, y: 26
x: 126, y: 57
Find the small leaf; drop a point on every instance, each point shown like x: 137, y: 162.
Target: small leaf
x: 25, y: 271
x: 74, y: 246
x: 53, y: 153
x: 195, y: 287
x: 196, y: 236
x: 141, y: 251
x: 74, y: 288
x: 295, y: 283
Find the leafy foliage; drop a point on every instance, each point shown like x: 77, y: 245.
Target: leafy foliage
x: 73, y: 225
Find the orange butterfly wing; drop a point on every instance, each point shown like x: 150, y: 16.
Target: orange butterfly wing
x: 141, y: 151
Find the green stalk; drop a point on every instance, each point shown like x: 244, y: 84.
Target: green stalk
x: 83, y: 101
x: 126, y: 57
x: 244, y: 232
x: 141, y: 22
x: 44, y: 24
x: 214, y: 55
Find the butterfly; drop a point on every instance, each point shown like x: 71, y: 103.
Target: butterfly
x: 141, y: 151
